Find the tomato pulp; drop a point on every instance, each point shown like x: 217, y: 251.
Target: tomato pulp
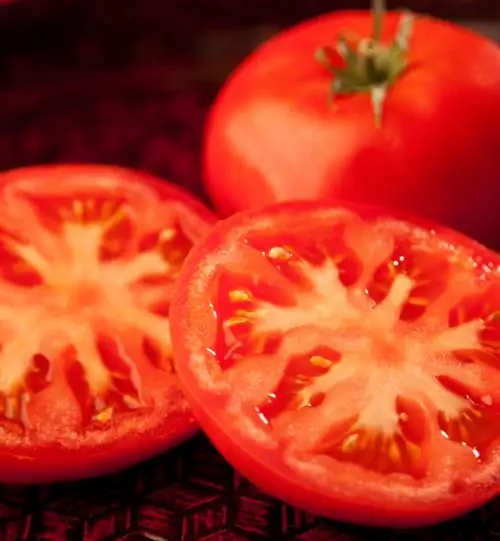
x: 89, y: 257
x: 346, y: 361
x: 274, y: 135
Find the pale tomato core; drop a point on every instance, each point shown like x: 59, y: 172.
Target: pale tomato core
x: 365, y: 342
x: 87, y: 269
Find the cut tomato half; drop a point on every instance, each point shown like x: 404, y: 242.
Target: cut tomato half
x: 346, y: 361
x: 89, y: 258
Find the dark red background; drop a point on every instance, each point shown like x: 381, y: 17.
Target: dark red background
x: 129, y: 82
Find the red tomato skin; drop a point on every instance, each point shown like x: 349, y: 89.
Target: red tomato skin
x: 60, y: 172
x: 34, y: 463
x: 272, y: 134
x: 46, y: 464
x: 264, y: 467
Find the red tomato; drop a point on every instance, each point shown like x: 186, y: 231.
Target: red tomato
x: 346, y: 361
x: 273, y: 134
x: 89, y: 257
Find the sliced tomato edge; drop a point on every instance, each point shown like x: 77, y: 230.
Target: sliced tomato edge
x: 245, y: 217
x: 251, y: 459
x: 164, y: 186
x: 36, y: 463
x: 266, y: 471
x: 39, y: 464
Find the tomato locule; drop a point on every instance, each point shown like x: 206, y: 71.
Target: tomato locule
x: 89, y: 259
x: 346, y: 360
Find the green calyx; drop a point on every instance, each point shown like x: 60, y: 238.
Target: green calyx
x: 368, y: 65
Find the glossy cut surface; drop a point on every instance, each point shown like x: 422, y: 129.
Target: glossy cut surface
x: 345, y: 360
x: 89, y: 259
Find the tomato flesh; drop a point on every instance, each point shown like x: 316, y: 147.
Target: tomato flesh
x: 346, y: 361
x: 89, y: 257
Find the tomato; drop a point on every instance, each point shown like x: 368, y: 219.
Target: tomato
x: 274, y: 134
x: 89, y: 258
x: 346, y: 361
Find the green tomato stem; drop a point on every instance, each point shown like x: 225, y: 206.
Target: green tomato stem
x: 369, y: 65
x: 378, y: 8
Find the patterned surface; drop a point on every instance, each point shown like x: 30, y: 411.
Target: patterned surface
x: 191, y: 494
x: 150, y: 118
x: 202, y: 13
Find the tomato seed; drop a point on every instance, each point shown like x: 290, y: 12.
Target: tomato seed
x: 13, y: 268
x: 157, y: 355
x: 292, y: 390
x: 116, y: 237
x: 429, y: 275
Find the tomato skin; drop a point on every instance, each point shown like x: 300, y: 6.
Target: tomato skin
x: 273, y: 136
x: 46, y: 464
x: 32, y: 459
x: 263, y: 465
x: 59, y: 173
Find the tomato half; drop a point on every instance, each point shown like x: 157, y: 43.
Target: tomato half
x: 274, y: 135
x: 89, y: 258
x: 346, y: 361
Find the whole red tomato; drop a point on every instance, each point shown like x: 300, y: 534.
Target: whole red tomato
x: 277, y: 133
x: 89, y: 258
x: 345, y: 360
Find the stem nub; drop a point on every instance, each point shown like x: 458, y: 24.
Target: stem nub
x: 367, y: 64
x: 378, y: 8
